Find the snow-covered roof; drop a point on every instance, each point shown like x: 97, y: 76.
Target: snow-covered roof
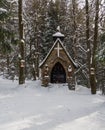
x: 58, y: 34
x: 58, y: 39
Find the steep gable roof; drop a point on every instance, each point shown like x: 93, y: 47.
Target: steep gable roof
x: 57, y: 40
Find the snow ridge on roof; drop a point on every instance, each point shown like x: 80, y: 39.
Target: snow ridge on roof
x: 58, y: 34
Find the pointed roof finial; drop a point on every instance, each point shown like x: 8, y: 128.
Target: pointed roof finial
x: 58, y: 34
x: 58, y: 28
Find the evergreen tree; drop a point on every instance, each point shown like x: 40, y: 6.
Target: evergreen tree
x: 5, y: 47
x: 56, y: 17
x: 100, y: 59
x: 4, y: 31
x: 36, y: 22
x: 8, y: 33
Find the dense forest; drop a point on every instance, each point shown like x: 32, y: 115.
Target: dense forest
x: 26, y: 29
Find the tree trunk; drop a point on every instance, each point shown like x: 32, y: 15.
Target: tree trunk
x: 74, y: 27
x: 87, y: 40
x: 8, y: 63
x: 37, y: 57
x: 74, y: 34
x: 34, y: 70
x: 21, y: 46
x: 95, y: 42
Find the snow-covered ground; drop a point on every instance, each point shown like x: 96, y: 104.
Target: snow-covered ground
x: 32, y: 107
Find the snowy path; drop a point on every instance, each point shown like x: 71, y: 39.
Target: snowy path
x: 32, y: 107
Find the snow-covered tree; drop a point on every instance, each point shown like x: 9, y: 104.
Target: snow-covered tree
x: 5, y: 47
x: 8, y: 32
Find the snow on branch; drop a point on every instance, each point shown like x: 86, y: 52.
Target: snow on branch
x: 2, y: 10
x: 83, y: 48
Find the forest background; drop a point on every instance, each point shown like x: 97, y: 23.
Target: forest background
x: 82, y: 23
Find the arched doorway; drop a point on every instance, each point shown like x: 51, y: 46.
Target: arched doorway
x: 58, y: 74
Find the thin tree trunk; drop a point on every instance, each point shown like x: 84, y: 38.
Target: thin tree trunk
x: 37, y: 57
x: 75, y: 33
x: 87, y: 40
x: 74, y: 27
x: 8, y: 63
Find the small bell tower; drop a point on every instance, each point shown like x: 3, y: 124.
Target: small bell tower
x: 58, y: 34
